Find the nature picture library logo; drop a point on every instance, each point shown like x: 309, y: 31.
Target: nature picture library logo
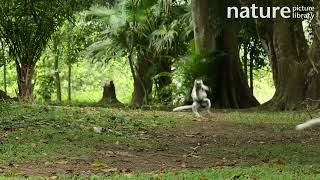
x: 298, y: 12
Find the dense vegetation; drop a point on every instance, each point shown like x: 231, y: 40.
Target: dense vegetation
x: 86, y: 87
x: 146, y: 48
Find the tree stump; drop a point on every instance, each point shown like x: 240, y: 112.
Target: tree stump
x: 109, y: 94
x: 4, y: 96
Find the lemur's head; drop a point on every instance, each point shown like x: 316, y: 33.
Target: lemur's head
x: 198, y: 83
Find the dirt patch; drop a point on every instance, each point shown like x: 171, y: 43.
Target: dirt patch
x: 199, y: 146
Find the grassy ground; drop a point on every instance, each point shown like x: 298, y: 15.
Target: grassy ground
x: 60, y: 142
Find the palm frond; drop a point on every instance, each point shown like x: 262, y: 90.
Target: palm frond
x: 105, y: 49
x: 101, y: 11
x: 164, y: 37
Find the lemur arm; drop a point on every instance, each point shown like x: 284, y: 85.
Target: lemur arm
x: 206, y: 88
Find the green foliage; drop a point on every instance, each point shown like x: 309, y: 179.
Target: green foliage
x: 77, y: 37
x: 88, y: 80
x: 27, y: 26
x: 3, y: 54
x: 142, y: 30
x: 67, y: 46
x: 251, y: 44
x: 159, y: 35
x: 70, y: 41
x: 194, y: 66
x: 11, y: 79
x: 45, y: 79
x: 46, y: 86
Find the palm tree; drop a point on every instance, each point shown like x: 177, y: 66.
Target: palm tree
x: 148, y: 35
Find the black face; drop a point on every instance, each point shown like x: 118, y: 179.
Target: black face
x: 198, y: 84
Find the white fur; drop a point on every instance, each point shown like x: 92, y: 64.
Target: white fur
x: 182, y: 108
x: 309, y: 123
x: 197, y: 95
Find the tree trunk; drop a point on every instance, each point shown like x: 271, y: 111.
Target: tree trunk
x: 297, y: 78
x: 232, y: 88
x: 251, y: 73
x: 313, y: 76
x: 265, y: 31
x: 203, y: 35
x: 291, y: 72
x: 56, y: 69
x: 57, y: 80
x: 5, y: 77
x: 164, y: 93
x: 69, y: 82
x: 138, y: 93
x: 142, y: 82
x: 25, y: 74
x: 211, y: 35
x: 245, y: 62
x: 295, y: 67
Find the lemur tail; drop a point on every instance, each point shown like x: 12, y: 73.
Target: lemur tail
x: 307, y: 124
x: 182, y: 108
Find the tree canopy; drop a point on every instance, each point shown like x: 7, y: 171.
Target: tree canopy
x: 165, y: 45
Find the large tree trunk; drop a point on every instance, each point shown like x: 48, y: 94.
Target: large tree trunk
x: 203, y: 34
x: 232, y: 88
x: 291, y: 69
x: 295, y: 68
x: 25, y: 74
x: 211, y: 35
x: 142, y: 82
x: 297, y: 77
x: 313, y: 76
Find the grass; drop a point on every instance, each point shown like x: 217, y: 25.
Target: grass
x: 38, y: 132
x: 265, y: 172
x: 235, y: 145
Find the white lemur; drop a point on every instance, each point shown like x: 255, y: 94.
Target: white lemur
x: 199, y: 97
x: 309, y: 123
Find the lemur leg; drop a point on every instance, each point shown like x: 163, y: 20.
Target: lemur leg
x: 208, y: 105
x: 195, y: 106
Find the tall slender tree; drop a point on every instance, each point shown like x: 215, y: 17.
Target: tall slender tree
x: 3, y: 63
x: 5, y: 77
x: 57, y: 54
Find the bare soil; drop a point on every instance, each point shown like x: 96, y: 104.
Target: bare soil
x: 185, y: 148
